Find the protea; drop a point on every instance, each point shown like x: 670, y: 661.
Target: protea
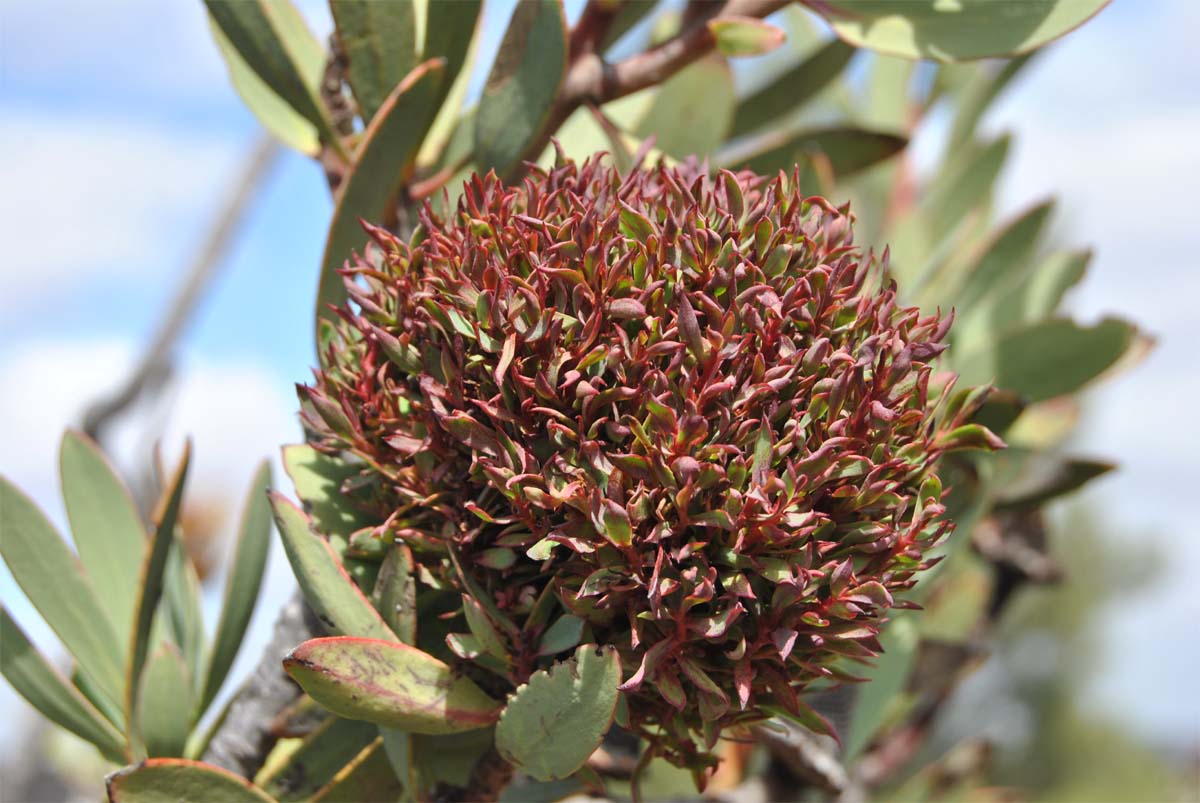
x: 685, y: 408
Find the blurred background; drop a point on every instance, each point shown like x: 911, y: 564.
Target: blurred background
x: 121, y: 139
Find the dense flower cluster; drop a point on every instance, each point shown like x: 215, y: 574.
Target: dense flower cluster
x: 686, y: 406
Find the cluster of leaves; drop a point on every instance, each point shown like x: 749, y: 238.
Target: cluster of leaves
x: 127, y: 609
x: 682, y: 406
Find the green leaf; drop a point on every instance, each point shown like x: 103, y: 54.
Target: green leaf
x: 368, y: 776
x: 1009, y: 252
x: 35, y: 679
x: 281, y: 120
x: 274, y: 42
x: 170, y: 780
x: 242, y: 586
x: 105, y: 525
x: 629, y: 14
x: 1043, y: 477
x: 165, y: 702
x: 380, y: 44
x: 318, y: 481
x: 792, y: 89
x: 150, y: 585
x: 389, y: 684
x: 521, y: 86
x: 181, y: 597
x: 964, y: 184
x: 888, y: 678
x: 958, y: 30
x: 382, y: 164
x: 333, y: 596
x: 555, y: 721
x: 483, y: 630
x: 395, y: 593
x: 888, y: 103
x: 744, y: 36
x: 1049, y: 358
x: 449, y: 31
x: 561, y: 636
x: 692, y: 110
x: 1041, y: 289
x: 848, y: 150
x: 979, y: 94
x: 320, y: 756
x: 54, y: 581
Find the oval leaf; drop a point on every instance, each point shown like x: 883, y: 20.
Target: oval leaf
x: 383, y: 163
x: 379, y: 41
x: 35, y: 679
x: 522, y: 85
x: 333, y: 596
x: 745, y: 36
x: 958, y: 31
x: 848, y: 149
x: 165, y: 702
x: 242, y: 586
x: 792, y: 89
x: 169, y: 780
x: 556, y: 720
x: 692, y: 110
x: 318, y: 481
x: 389, y: 684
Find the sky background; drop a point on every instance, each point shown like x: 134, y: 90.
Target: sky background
x: 120, y: 137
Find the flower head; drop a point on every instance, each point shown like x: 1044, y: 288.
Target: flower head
x: 686, y: 409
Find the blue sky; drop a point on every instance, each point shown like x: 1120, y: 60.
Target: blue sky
x: 119, y: 135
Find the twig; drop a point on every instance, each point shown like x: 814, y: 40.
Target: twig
x: 154, y: 368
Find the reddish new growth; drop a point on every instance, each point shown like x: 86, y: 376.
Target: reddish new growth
x: 688, y: 408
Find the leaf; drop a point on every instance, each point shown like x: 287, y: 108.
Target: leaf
x: 165, y: 702
x: 977, y: 96
x: 1008, y: 253
x: 380, y: 44
x: 319, y: 757
x: 483, y: 630
x: 281, y: 120
x: 274, y: 42
x: 243, y: 584
x: 35, y: 679
x: 449, y: 30
x: 333, y: 596
x: 181, y: 610
x: 318, y: 481
x: 692, y: 111
x: 1044, y: 477
x: 964, y: 183
x: 555, y: 721
x: 170, y: 780
x: 955, y: 31
x: 888, y: 102
x: 389, y: 684
x: 888, y: 678
x: 628, y: 15
x: 105, y: 525
x: 848, y: 149
x: 55, y: 583
x: 1049, y: 358
x: 382, y: 165
x: 150, y: 585
x: 395, y: 594
x: 744, y: 36
x: 792, y: 89
x: 1041, y: 289
x: 561, y: 636
x: 368, y: 776
x: 521, y: 86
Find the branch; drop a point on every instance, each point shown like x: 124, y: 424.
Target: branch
x: 245, y: 735
x: 155, y: 365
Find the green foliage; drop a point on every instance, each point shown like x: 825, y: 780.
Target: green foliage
x: 553, y: 723
x: 168, y: 780
x: 145, y: 698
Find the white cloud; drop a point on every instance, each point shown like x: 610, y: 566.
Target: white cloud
x: 90, y: 198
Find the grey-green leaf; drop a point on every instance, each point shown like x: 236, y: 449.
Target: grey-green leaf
x: 958, y: 31
x: 273, y: 40
x: 281, y: 120
x: 395, y: 593
x: 449, y: 29
x: 150, y: 586
x: 334, y: 597
x: 320, y: 756
x: 318, y: 481
x: 383, y: 164
x: 556, y: 720
x: 792, y: 89
x: 561, y: 636
x: 888, y: 677
x: 55, y: 582
x: 170, y: 780
x: 692, y: 110
x: 242, y: 586
x: 165, y: 702
x: 1008, y: 254
x: 848, y: 149
x: 379, y: 41
x: 35, y: 679
x: 105, y: 525
x: 522, y: 85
